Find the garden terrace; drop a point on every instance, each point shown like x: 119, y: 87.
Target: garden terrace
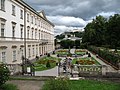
x: 46, y: 63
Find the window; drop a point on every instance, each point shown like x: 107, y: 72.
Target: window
x: 36, y: 50
x: 28, y: 32
x: 32, y: 19
x: 21, y: 14
x: 35, y: 34
x: 39, y: 34
x: 2, y: 5
x: 21, y: 30
x: 13, y: 10
x: 33, y: 51
x: 32, y: 34
x: 14, y: 55
x: 3, y: 57
x: 27, y: 17
x: 35, y: 21
x: 29, y: 54
x: 2, y: 29
x: 13, y: 29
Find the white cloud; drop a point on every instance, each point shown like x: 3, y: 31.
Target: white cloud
x: 67, y: 21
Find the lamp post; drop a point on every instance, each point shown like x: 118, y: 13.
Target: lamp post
x: 58, y: 65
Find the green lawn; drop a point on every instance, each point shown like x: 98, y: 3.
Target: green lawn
x: 40, y: 65
x: 87, y: 58
x: 8, y: 87
x: 80, y: 85
x: 93, y: 85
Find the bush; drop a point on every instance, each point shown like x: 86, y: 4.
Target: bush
x: 48, y: 55
x: 4, y: 74
x: 48, y: 64
x: 59, y: 84
x: 89, y: 55
x: 9, y: 87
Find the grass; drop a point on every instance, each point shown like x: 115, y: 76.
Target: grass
x: 40, y: 65
x: 87, y: 58
x: 93, y: 85
x: 80, y: 85
x: 9, y: 87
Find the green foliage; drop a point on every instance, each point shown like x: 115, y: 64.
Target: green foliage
x: 106, y: 55
x: 9, y: 87
x: 77, y: 43
x: 59, y: 84
x: 60, y: 36
x: 48, y: 64
x: 4, y: 74
x: 67, y: 43
x: 93, y: 85
x: 103, y: 32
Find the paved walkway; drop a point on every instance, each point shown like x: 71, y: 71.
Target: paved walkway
x: 50, y: 72
x: 109, y: 68
x: 27, y: 85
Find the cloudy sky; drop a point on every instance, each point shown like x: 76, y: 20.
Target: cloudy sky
x: 74, y: 14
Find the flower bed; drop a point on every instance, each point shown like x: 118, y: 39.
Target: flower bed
x: 63, y: 52
x: 46, y: 63
x: 85, y: 61
x: 80, y: 52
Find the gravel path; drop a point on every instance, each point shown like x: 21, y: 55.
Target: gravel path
x: 27, y: 85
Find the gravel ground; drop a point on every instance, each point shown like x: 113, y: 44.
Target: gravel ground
x: 27, y: 85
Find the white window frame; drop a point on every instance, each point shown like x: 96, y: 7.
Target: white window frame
x: 3, y: 56
x: 21, y: 31
x: 14, y: 55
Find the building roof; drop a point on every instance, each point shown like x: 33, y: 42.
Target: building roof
x: 33, y: 10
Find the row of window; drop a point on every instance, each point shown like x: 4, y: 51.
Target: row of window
x: 34, y: 20
x: 3, y: 56
x: 14, y: 54
x: 41, y: 34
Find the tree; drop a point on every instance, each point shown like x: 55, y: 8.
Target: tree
x: 77, y: 43
x: 67, y: 43
x: 95, y: 31
x: 113, y: 30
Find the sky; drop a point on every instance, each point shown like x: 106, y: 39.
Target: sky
x: 67, y: 15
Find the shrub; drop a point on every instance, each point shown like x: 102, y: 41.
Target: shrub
x: 59, y: 84
x: 4, y: 74
x: 89, y: 55
x: 48, y: 54
x: 48, y: 64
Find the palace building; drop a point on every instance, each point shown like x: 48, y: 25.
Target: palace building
x: 23, y: 32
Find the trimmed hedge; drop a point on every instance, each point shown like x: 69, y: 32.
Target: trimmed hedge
x: 106, y: 55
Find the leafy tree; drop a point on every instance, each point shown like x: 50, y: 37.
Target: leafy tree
x: 77, y: 43
x: 67, y: 43
x: 60, y: 36
x: 113, y: 30
x: 95, y: 31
